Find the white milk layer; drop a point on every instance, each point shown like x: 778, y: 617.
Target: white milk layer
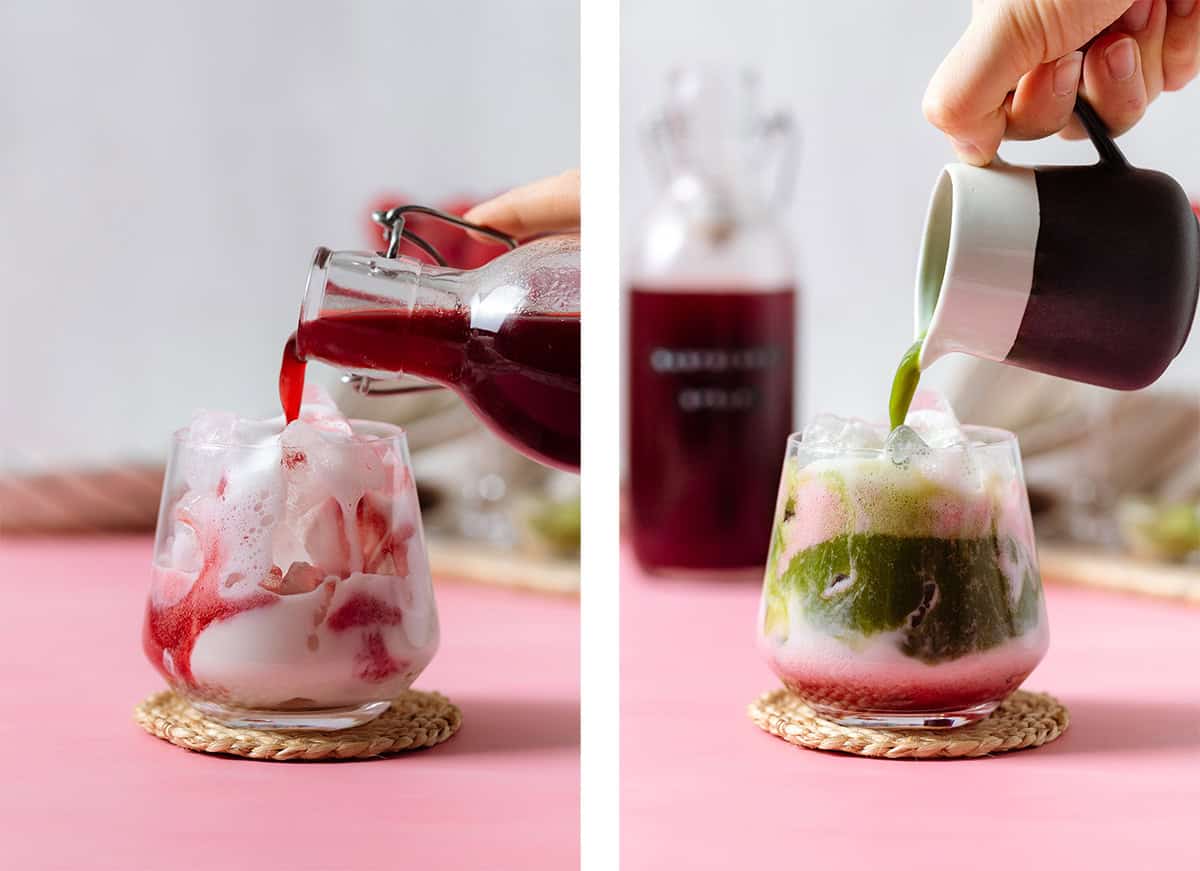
x: 878, y: 659
x: 288, y: 653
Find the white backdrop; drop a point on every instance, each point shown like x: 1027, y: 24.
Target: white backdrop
x: 853, y: 73
x: 167, y: 169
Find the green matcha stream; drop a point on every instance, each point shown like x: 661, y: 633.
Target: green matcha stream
x: 904, y: 385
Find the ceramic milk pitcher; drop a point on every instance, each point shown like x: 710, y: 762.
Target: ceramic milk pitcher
x: 1086, y: 272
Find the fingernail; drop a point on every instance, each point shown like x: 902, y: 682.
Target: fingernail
x: 1066, y: 73
x: 1137, y: 16
x: 967, y: 152
x: 1182, y: 8
x: 1120, y: 59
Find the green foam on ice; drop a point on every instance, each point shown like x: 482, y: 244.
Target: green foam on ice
x: 886, y: 498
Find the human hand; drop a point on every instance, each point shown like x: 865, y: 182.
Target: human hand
x: 1015, y: 73
x: 550, y: 205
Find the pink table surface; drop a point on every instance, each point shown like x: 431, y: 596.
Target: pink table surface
x: 84, y: 788
x: 703, y: 788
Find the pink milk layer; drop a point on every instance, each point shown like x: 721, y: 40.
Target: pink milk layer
x: 965, y: 494
x: 879, y: 679
x: 290, y: 573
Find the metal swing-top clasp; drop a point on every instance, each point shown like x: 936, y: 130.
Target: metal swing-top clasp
x: 393, y: 222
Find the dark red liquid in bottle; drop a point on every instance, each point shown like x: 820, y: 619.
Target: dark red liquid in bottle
x: 710, y: 410
x: 521, y: 377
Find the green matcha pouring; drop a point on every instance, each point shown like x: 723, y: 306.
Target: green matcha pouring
x: 904, y: 385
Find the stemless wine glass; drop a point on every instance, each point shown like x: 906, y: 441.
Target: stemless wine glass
x: 291, y: 587
x: 902, y: 591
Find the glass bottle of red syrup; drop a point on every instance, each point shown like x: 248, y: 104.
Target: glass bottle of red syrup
x: 505, y: 336
x: 711, y: 331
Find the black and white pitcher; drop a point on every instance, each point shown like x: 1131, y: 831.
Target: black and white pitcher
x: 1086, y: 272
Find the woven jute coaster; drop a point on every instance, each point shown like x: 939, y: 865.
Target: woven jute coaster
x: 1023, y: 720
x: 414, y: 721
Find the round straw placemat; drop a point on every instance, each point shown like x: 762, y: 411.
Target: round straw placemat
x: 1023, y: 720
x: 414, y: 721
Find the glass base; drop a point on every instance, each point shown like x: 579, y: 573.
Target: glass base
x: 312, y: 720
x: 906, y: 719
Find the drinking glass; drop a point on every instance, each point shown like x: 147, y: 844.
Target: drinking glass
x: 291, y: 587
x: 902, y: 591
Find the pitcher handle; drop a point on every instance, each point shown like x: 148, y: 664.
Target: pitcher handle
x: 1110, y: 155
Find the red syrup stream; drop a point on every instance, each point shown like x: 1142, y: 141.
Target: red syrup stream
x: 291, y: 380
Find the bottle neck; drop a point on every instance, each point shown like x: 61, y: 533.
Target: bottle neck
x: 348, y: 281
x: 725, y: 168
x: 718, y: 200
x: 373, y: 315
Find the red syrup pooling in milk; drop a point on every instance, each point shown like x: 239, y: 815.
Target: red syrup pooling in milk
x: 521, y: 378
x: 173, y: 629
x: 373, y: 662
x: 710, y: 407
x: 900, y: 696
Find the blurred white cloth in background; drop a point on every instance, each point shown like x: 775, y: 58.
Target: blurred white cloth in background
x: 1085, y: 444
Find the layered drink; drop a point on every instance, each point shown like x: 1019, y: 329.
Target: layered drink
x: 291, y: 586
x: 902, y: 587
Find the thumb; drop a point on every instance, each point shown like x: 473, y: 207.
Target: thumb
x: 966, y: 99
